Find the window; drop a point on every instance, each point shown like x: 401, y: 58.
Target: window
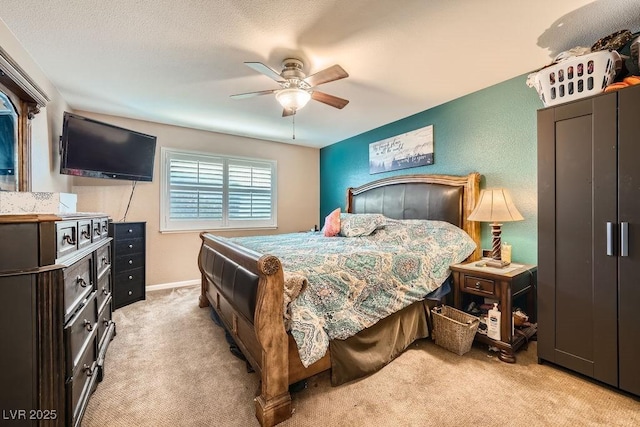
x: 208, y: 191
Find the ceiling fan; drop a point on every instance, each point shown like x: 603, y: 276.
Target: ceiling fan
x: 296, y: 89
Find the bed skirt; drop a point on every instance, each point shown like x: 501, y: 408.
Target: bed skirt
x: 371, y: 349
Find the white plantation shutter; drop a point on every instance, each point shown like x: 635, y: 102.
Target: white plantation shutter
x: 212, y: 192
x: 249, y: 190
x: 196, y: 189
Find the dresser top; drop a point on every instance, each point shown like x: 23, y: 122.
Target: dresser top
x: 31, y: 217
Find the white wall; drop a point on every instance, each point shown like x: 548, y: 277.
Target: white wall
x: 46, y: 126
x: 172, y: 257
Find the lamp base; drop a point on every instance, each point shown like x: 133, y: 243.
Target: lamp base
x: 497, y: 263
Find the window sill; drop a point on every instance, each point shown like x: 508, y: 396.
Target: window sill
x: 200, y: 230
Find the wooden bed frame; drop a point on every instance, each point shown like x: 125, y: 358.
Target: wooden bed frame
x: 246, y: 290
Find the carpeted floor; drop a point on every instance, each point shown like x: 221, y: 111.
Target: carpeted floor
x: 170, y: 365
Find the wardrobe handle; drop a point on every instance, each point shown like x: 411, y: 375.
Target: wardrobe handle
x: 609, y: 238
x: 624, y: 239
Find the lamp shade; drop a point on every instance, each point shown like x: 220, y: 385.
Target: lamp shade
x: 495, y: 205
x: 293, y: 98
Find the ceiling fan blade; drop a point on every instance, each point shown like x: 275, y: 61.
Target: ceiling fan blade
x: 287, y: 112
x: 252, y: 94
x: 325, y: 98
x: 267, y: 71
x: 327, y: 75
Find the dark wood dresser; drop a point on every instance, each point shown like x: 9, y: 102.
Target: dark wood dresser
x: 128, y: 270
x: 55, y: 315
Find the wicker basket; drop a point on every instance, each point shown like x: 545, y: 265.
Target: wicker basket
x: 454, y: 329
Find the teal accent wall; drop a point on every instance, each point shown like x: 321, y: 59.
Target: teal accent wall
x: 492, y: 131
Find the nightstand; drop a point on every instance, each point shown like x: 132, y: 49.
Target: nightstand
x: 506, y: 285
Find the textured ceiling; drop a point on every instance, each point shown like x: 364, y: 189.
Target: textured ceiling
x: 177, y: 61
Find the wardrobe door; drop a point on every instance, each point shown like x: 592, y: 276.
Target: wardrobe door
x: 629, y: 262
x: 577, y: 305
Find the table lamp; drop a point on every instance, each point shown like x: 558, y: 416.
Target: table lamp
x: 495, y: 206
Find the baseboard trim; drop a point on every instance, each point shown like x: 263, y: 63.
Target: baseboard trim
x: 172, y: 285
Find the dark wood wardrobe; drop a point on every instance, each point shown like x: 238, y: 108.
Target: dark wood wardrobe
x: 589, y: 237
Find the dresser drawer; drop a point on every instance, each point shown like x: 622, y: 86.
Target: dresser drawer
x: 103, y: 291
x: 478, y: 286
x: 66, y: 238
x: 103, y: 258
x: 104, y: 227
x: 78, y: 331
x: 99, y: 229
x: 84, y: 233
x: 104, y: 320
x: 80, y: 385
x: 77, y: 285
x: 129, y: 246
x: 129, y: 262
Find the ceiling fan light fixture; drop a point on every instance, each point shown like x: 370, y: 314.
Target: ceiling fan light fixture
x: 293, y: 98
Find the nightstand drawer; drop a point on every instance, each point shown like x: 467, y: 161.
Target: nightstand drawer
x: 476, y: 285
x: 130, y: 246
x: 129, y: 262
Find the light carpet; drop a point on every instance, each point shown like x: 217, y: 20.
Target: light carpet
x: 170, y: 365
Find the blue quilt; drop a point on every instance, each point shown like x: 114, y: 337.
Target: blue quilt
x: 353, y: 282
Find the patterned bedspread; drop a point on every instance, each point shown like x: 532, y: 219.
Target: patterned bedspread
x: 355, y: 281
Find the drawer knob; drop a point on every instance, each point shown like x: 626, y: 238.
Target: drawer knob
x: 105, y: 321
x: 88, y: 325
x: 105, y: 291
x: 478, y: 285
x: 87, y: 369
x: 129, y: 231
x: 130, y: 292
x: 105, y: 260
x: 80, y: 281
x: 86, y: 234
x: 130, y: 246
x: 130, y: 261
x: 69, y: 239
x: 130, y: 277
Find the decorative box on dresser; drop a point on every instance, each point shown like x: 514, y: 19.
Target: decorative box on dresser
x: 128, y: 270
x: 55, y: 315
x: 589, y: 237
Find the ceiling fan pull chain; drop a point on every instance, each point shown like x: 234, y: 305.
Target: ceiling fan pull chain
x: 294, y: 125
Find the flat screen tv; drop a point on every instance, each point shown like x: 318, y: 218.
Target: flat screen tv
x: 100, y: 150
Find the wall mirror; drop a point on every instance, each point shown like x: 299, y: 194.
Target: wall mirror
x: 20, y: 100
x: 8, y: 144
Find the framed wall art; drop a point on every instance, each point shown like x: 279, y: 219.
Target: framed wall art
x: 408, y: 150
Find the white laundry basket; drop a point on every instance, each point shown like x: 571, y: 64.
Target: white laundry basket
x: 577, y: 77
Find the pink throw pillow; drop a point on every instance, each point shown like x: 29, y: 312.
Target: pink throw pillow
x: 332, y: 224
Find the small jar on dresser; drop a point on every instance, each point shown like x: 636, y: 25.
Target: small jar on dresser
x: 55, y: 315
x: 128, y: 270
